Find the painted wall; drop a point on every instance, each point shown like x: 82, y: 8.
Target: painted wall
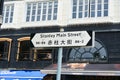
x: 64, y: 15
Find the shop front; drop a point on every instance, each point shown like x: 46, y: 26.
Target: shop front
x: 21, y: 75
x: 85, y: 71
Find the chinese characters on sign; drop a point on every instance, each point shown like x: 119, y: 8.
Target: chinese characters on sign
x: 61, y: 39
x: 58, y: 42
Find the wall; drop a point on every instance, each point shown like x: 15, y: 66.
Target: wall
x: 64, y: 15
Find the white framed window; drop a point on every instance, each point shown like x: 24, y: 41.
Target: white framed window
x: 89, y: 8
x: 8, y: 13
x: 105, y: 7
x: 42, y: 11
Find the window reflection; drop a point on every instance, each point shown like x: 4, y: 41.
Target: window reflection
x: 95, y: 54
x: 8, y: 13
x: 26, y: 53
x: 42, y: 54
x: 89, y: 8
x: 5, y: 45
x: 41, y: 11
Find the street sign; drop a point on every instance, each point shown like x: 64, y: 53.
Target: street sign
x: 61, y: 39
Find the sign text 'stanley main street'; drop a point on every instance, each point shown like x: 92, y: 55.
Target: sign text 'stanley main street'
x: 60, y: 35
x: 61, y: 39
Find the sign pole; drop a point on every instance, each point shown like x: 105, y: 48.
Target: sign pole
x: 61, y: 39
x: 59, y: 63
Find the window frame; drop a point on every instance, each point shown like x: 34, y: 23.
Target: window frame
x: 33, y: 51
x: 88, y: 11
x: 42, y: 51
x: 8, y: 13
x: 98, y: 54
x: 18, y: 50
x: 9, y: 46
x: 42, y: 6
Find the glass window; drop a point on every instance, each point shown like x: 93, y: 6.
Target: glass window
x: 92, y: 13
x: 106, y: 13
x: 8, y: 13
x: 44, y: 11
x: 24, y: 52
x: 99, y: 1
x: 74, y: 8
x: 80, y: 2
x: 92, y: 1
x: 50, y: 11
x: 80, y: 8
x: 74, y: 2
x: 5, y: 45
x: 106, y: 1
x: 33, y: 12
x: 99, y: 7
x: 99, y: 14
x: 95, y: 54
x: 55, y: 10
x: 28, y: 12
x: 41, y: 11
x: 92, y: 8
x: 89, y: 8
x: 80, y: 14
x: 42, y: 54
x: 74, y: 12
x: 105, y: 7
x: 74, y: 15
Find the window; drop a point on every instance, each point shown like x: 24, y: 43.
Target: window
x: 26, y: 53
x: 42, y: 11
x: 89, y: 8
x: 92, y: 8
x: 42, y: 54
x: 8, y: 13
x: 5, y: 45
x: 74, y: 8
x: 23, y: 53
x: 96, y: 54
x: 105, y: 7
x: 99, y: 8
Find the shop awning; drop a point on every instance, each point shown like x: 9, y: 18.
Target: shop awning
x: 21, y: 75
x: 85, y: 69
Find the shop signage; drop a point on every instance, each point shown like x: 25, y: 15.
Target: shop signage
x: 61, y: 39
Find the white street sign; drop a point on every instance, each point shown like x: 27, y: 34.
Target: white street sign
x: 61, y: 39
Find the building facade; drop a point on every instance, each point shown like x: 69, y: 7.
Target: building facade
x: 1, y: 8
x: 22, y: 18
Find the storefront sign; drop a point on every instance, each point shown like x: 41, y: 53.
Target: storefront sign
x: 21, y: 75
x: 61, y: 39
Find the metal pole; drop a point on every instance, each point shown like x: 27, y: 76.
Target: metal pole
x: 59, y: 64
